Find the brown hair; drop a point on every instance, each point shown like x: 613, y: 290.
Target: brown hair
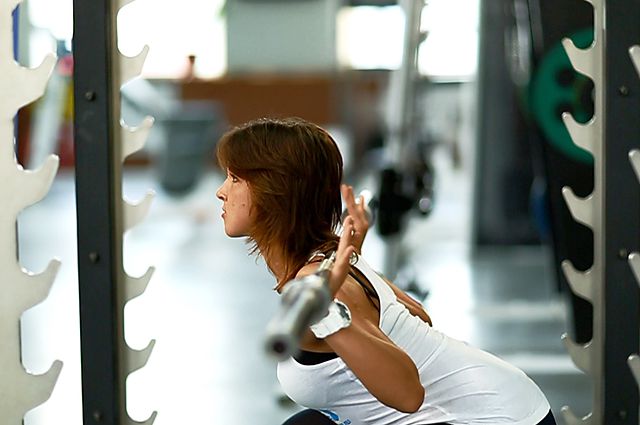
x: 294, y: 171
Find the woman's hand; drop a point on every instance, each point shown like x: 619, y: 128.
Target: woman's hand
x: 343, y: 255
x: 358, y: 214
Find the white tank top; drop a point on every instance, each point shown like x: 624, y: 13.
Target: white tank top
x: 463, y: 385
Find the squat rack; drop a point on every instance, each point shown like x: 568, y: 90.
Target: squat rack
x: 101, y: 219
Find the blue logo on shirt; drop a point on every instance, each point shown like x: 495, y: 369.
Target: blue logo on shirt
x: 335, y: 418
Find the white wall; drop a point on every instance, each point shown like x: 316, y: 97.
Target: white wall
x: 281, y: 35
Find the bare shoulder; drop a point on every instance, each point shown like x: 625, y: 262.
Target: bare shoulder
x: 352, y: 294
x: 349, y: 291
x: 308, y: 269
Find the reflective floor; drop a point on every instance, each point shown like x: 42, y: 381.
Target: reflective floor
x: 208, y: 302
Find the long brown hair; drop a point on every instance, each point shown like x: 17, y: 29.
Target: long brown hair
x: 294, y: 170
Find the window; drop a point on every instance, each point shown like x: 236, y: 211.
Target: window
x: 172, y: 30
x: 371, y: 37
x: 450, y: 49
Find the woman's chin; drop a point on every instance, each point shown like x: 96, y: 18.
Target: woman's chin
x: 234, y: 234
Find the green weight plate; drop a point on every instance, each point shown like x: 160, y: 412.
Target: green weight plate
x: 556, y: 88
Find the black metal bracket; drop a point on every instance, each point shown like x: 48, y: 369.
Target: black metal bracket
x: 96, y: 199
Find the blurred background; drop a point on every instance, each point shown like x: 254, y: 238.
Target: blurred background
x: 449, y: 114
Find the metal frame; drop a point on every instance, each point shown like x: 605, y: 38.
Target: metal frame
x: 16, y: 19
x: 612, y: 211
x: 20, y: 391
x: 622, y: 212
x: 97, y: 195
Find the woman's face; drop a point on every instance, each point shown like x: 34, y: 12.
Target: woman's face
x: 236, y: 205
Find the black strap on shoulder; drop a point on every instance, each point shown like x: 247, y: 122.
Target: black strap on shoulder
x: 371, y: 294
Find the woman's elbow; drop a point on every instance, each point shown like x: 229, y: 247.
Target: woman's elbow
x: 412, y: 402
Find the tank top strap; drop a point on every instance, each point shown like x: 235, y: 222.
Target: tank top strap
x: 385, y: 293
x: 316, y: 255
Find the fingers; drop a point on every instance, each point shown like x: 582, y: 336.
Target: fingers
x: 361, y: 202
x: 349, y: 198
x: 355, y: 209
x: 343, y: 255
x: 358, y: 213
x: 346, y: 238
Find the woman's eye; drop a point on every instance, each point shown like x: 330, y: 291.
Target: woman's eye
x: 234, y: 179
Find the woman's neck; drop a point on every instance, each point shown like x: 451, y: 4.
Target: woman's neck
x: 275, y: 260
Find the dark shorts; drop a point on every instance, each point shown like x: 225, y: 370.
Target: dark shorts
x: 313, y: 417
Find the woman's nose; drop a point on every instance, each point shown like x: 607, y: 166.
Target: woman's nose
x: 219, y: 193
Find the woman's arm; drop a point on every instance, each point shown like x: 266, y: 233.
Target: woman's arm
x: 387, y: 372
x: 383, y: 368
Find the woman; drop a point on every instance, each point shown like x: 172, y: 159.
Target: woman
x: 374, y: 359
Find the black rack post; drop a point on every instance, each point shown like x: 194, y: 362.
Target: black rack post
x: 622, y: 212
x: 96, y: 192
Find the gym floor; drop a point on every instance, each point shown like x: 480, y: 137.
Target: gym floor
x: 208, y: 303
